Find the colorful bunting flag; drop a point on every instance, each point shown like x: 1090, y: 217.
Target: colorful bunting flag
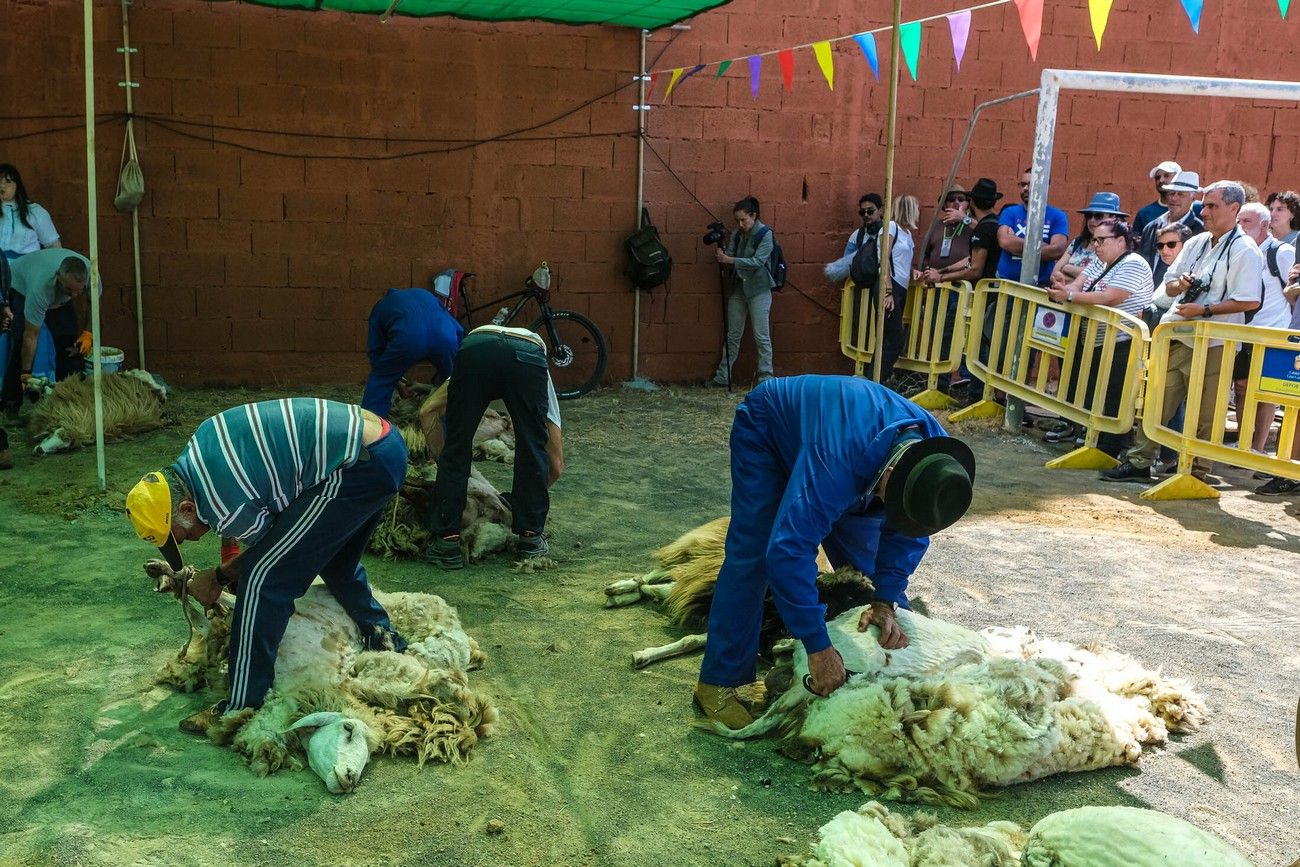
x: 672, y: 82
x: 867, y: 42
x: 909, y: 39
x: 1193, y: 10
x: 786, y: 58
x: 1284, y: 5
x: 959, y: 29
x: 755, y: 66
x: 694, y: 70
x: 654, y: 79
x: 723, y: 67
x: 822, y: 51
x: 1099, y: 12
x: 1031, y: 22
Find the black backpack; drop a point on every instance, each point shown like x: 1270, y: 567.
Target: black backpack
x: 864, y: 270
x: 649, y: 262
x: 775, y: 261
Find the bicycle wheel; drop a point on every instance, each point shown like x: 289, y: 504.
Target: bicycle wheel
x: 578, y: 356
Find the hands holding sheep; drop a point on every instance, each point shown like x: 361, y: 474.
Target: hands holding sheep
x: 201, y: 584
x: 881, y: 615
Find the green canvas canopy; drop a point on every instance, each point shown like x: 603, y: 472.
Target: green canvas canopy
x: 645, y: 14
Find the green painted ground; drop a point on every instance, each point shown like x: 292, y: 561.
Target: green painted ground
x: 595, y: 764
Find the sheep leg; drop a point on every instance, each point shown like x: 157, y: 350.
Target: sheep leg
x: 680, y: 647
x: 619, y: 588
x: 656, y: 592
x: 620, y: 600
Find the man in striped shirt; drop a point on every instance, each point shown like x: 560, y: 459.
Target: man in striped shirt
x: 301, y: 482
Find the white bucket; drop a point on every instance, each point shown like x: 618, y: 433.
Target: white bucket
x: 110, y: 360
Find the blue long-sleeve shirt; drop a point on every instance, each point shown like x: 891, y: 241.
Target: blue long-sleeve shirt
x: 415, y: 320
x: 832, y: 435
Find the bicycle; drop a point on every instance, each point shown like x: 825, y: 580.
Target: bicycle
x: 576, y: 347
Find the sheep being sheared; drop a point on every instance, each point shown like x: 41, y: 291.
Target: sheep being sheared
x: 331, y: 697
x: 956, y: 711
x: 494, y: 439
x: 402, y: 532
x: 872, y: 836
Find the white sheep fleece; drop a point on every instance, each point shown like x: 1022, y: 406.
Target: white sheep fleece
x: 958, y: 711
x: 872, y: 836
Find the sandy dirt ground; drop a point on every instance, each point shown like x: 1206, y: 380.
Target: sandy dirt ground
x: 594, y: 763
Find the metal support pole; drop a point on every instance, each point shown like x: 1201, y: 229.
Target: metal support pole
x: 92, y: 209
x: 961, y: 151
x: 640, y: 200
x: 128, y: 85
x: 886, y: 263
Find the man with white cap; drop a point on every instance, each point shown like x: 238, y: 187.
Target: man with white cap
x: 302, y: 482
x: 839, y: 462
x: 1160, y: 175
x: 1180, y: 195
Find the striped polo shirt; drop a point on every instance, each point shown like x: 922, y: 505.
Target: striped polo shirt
x: 246, y: 465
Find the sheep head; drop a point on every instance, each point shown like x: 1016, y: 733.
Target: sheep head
x: 338, y: 748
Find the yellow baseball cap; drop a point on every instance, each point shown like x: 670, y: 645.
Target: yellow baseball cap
x: 149, y: 506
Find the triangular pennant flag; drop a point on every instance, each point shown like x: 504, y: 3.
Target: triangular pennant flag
x: 1193, y: 10
x: 909, y: 40
x: 786, y: 57
x: 723, y: 67
x: 755, y: 67
x: 822, y: 51
x: 867, y: 42
x: 654, y: 79
x: 1284, y: 5
x: 692, y: 71
x: 1031, y: 22
x: 1099, y: 12
x: 672, y: 82
x: 959, y: 28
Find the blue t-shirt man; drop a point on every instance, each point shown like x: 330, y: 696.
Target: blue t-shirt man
x: 1015, y: 217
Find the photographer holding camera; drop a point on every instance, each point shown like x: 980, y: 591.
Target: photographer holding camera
x: 1217, y: 278
x: 747, y: 288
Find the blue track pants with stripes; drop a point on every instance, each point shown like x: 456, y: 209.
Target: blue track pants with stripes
x: 322, y: 532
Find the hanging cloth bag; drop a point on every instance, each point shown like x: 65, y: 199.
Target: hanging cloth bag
x: 130, y: 180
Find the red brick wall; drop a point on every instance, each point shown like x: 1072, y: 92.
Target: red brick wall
x: 261, y: 268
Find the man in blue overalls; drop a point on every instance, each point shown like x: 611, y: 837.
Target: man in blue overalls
x: 833, y: 461
x: 407, y: 326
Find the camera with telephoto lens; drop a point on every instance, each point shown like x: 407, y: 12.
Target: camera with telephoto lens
x: 1199, y: 286
x: 716, y: 235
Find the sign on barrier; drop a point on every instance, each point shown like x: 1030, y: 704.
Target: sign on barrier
x: 934, y: 323
x: 1101, y: 352
x: 1203, y: 350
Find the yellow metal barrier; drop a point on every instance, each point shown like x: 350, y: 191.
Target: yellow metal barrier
x: 927, y: 314
x: 1018, y: 320
x: 1274, y: 378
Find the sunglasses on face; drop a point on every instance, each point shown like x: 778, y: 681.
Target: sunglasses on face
x: 866, y: 212
x: 1167, y: 245
x: 1096, y: 241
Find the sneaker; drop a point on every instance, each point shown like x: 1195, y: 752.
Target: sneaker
x: 1061, y: 432
x: 1126, y: 472
x: 1164, y: 468
x: 382, y: 638
x: 532, y: 545
x: 722, y: 705
x: 1278, y: 486
x: 199, y: 723
x: 445, y: 553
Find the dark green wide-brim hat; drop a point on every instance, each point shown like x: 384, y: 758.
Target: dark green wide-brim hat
x: 931, y: 486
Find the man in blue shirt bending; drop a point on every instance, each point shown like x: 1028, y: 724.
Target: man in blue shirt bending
x: 834, y: 461
x: 302, y: 483
x: 407, y: 326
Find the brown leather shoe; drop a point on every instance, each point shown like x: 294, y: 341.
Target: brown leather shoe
x: 722, y: 705
x: 199, y: 723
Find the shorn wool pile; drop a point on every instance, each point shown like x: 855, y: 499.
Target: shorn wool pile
x: 958, y: 712
x: 334, y: 702
x: 872, y: 836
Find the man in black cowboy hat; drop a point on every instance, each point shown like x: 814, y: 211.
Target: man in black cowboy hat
x: 834, y: 461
